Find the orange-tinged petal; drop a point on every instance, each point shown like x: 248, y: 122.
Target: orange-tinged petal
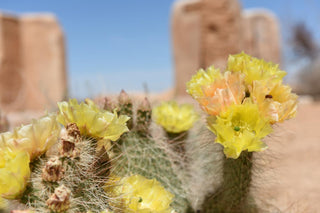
x: 219, y: 95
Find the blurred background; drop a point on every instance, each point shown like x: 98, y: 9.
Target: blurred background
x: 53, y: 50
x: 114, y: 45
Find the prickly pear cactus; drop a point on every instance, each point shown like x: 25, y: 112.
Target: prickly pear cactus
x: 144, y: 156
x: 71, y: 180
x: 137, y: 152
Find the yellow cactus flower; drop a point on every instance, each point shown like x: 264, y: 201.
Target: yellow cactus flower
x: 35, y: 138
x: 201, y: 79
x: 174, y: 118
x: 219, y: 95
x: 275, y: 101
x: 91, y: 120
x: 139, y: 194
x: 240, y: 128
x: 14, y: 172
x: 254, y: 69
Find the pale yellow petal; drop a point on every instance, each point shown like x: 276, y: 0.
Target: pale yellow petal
x: 92, y: 121
x: 174, y: 118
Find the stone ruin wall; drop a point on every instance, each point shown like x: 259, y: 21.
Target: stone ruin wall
x: 32, y: 63
x: 205, y: 32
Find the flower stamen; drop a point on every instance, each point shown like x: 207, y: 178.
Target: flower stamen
x: 236, y: 128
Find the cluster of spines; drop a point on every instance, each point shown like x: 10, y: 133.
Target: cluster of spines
x: 140, y: 115
x: 72, y: 180
x: 233, y: 195
x: 137, y: 152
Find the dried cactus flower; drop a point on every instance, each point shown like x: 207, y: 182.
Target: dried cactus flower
x: 139, y: 194
x: 53, y: 170
x: 174, y: 118
x: 92, y: 121
x: 35, y: 138
x: 14, y: 172
x: 69, y: 138
x: 67, y: 148
x: 73, y: 131
x: 59, y: 201
x: 254, y: 69
x: 240, y: 128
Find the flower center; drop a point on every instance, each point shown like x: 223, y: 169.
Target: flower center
x: 236, y: 128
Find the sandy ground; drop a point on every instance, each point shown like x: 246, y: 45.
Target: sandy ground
x: 290, y: 178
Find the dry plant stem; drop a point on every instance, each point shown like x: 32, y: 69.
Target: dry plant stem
x: 234, y: 194
x: 177, y: 142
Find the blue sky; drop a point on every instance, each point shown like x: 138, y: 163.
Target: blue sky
x: 114, y: 44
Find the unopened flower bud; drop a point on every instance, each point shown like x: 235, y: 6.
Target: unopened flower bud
x: 124, y: 98
x: 52, y: 171
x: 59, y: 201
x: 144, y: 116
x: 125, y: 107
x: 109, y: 104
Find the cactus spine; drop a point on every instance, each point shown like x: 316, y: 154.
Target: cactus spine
x: 72, y: 180
x: 234, y: 193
